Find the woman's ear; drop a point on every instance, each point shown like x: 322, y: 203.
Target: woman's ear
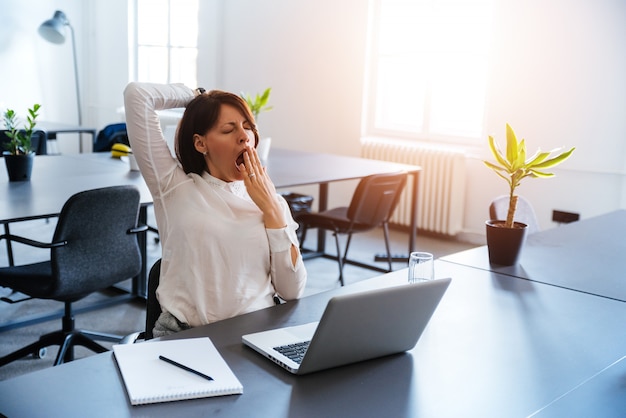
x: 198, y: 143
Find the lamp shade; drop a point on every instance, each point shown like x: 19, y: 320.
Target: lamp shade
x: 53, y: 30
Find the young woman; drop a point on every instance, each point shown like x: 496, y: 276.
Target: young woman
x: 228, y: 239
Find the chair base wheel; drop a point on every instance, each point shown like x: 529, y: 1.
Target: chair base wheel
x: 41, y: 353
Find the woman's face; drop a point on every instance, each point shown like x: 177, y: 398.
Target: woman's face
x: 225, y: 143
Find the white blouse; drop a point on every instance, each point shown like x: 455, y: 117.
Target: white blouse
x: 218, y: 259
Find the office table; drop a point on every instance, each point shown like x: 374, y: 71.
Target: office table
x: 288, y: 168
x: 587, y: 256
x: 52, y: 129
x: 497, y: 346
x: 57, y: 177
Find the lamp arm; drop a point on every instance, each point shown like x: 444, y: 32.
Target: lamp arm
x: 80, y: 113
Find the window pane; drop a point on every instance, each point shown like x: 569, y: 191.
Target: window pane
x: 184, y: 23
x: 431, y: 65
x: 458, y: 95
x: 183, y: 66
x: 401, y: 95
x: 152, y: 64
x: 167, y: 38
x: 152, y: 22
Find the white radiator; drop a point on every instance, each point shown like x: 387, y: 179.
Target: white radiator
x: 441, y: 197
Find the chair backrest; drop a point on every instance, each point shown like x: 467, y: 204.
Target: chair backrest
x: 524, y: 212
x: 39, y: 142
x: 153, y: 308
x: 101, y: 250
x: 109, y: 135
x: 375, y: 198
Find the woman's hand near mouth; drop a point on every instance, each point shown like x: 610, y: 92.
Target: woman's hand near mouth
x: 261, y: 189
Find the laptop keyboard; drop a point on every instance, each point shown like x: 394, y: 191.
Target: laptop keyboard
x: 295, y: 352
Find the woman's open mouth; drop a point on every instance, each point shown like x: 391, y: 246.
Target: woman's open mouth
x: 239, y: 159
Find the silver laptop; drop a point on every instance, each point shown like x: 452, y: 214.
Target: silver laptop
x: 354, y: 327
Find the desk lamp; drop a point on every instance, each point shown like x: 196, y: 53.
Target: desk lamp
x: 53, y: 30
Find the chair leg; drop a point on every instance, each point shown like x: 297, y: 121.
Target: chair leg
x: 303, y: 236
x: 102, y: 336
x: 66, y: 351
x: 47, y: 340
x: 66, y: 339
x: 345, y: 253
x: 339, y: 257
x: 23, y: 352
x: 9, y: 246
x: 386, y: 232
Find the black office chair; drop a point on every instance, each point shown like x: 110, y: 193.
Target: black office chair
x: 153, y: 308
x: 109, y: 135
x: 94, y: 246
x: 372, y: 204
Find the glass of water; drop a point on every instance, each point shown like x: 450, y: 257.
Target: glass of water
x: 421, y: 267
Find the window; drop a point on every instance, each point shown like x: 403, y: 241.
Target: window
x: 167, y: 41
x: 428, y: 68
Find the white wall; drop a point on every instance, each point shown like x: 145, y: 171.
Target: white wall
x: 33, y: 70
x: 312, y: 54
x: 558, y: 75
x: 106, y: 60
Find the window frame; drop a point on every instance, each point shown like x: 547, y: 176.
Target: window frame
x: 134, y: 46
x: 371, y: 101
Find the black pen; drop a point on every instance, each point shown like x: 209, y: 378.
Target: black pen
x: 182, y: 366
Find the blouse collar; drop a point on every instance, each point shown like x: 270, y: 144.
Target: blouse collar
x: 235, y: 187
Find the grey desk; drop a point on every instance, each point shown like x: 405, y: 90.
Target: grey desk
x: 52, y: 129
x: 497, y: 346
x: 289, y: 168
x: 587, y: 256
x: 56, y: 177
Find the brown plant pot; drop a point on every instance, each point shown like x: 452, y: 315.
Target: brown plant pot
x: 505, y: 244
x: 19, y: 167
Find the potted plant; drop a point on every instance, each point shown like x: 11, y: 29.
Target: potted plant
x: 19, y: 154
x: 258, y: 104
x: 505, y: 238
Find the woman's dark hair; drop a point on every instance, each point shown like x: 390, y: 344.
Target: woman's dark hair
x: 200, y: 116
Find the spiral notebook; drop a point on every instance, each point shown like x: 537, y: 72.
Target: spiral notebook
x: 163, y: 371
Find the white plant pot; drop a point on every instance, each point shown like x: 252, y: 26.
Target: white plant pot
x: 263, y: 149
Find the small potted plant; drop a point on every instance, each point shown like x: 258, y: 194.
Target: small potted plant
x: 505, y: 238
x: 258, y: 104
x: 19, y: 154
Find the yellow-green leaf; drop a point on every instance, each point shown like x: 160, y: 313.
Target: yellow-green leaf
x: 541, y: 174
x: 493, y: 145
x: 511, y: 144
x: 554, y: 161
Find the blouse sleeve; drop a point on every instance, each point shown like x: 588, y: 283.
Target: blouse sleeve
x: 288, y: 279
x: 141, y: 101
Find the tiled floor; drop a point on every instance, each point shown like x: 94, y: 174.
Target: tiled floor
x: 129, y: 317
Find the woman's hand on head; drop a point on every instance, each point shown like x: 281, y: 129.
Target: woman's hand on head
x: 261, y: 189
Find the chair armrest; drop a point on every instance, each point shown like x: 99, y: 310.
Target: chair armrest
x: 31, y: 242
x: 133, y: 338
x: 137, y: 229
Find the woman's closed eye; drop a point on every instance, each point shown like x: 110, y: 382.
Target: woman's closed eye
x: 232, y: 128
